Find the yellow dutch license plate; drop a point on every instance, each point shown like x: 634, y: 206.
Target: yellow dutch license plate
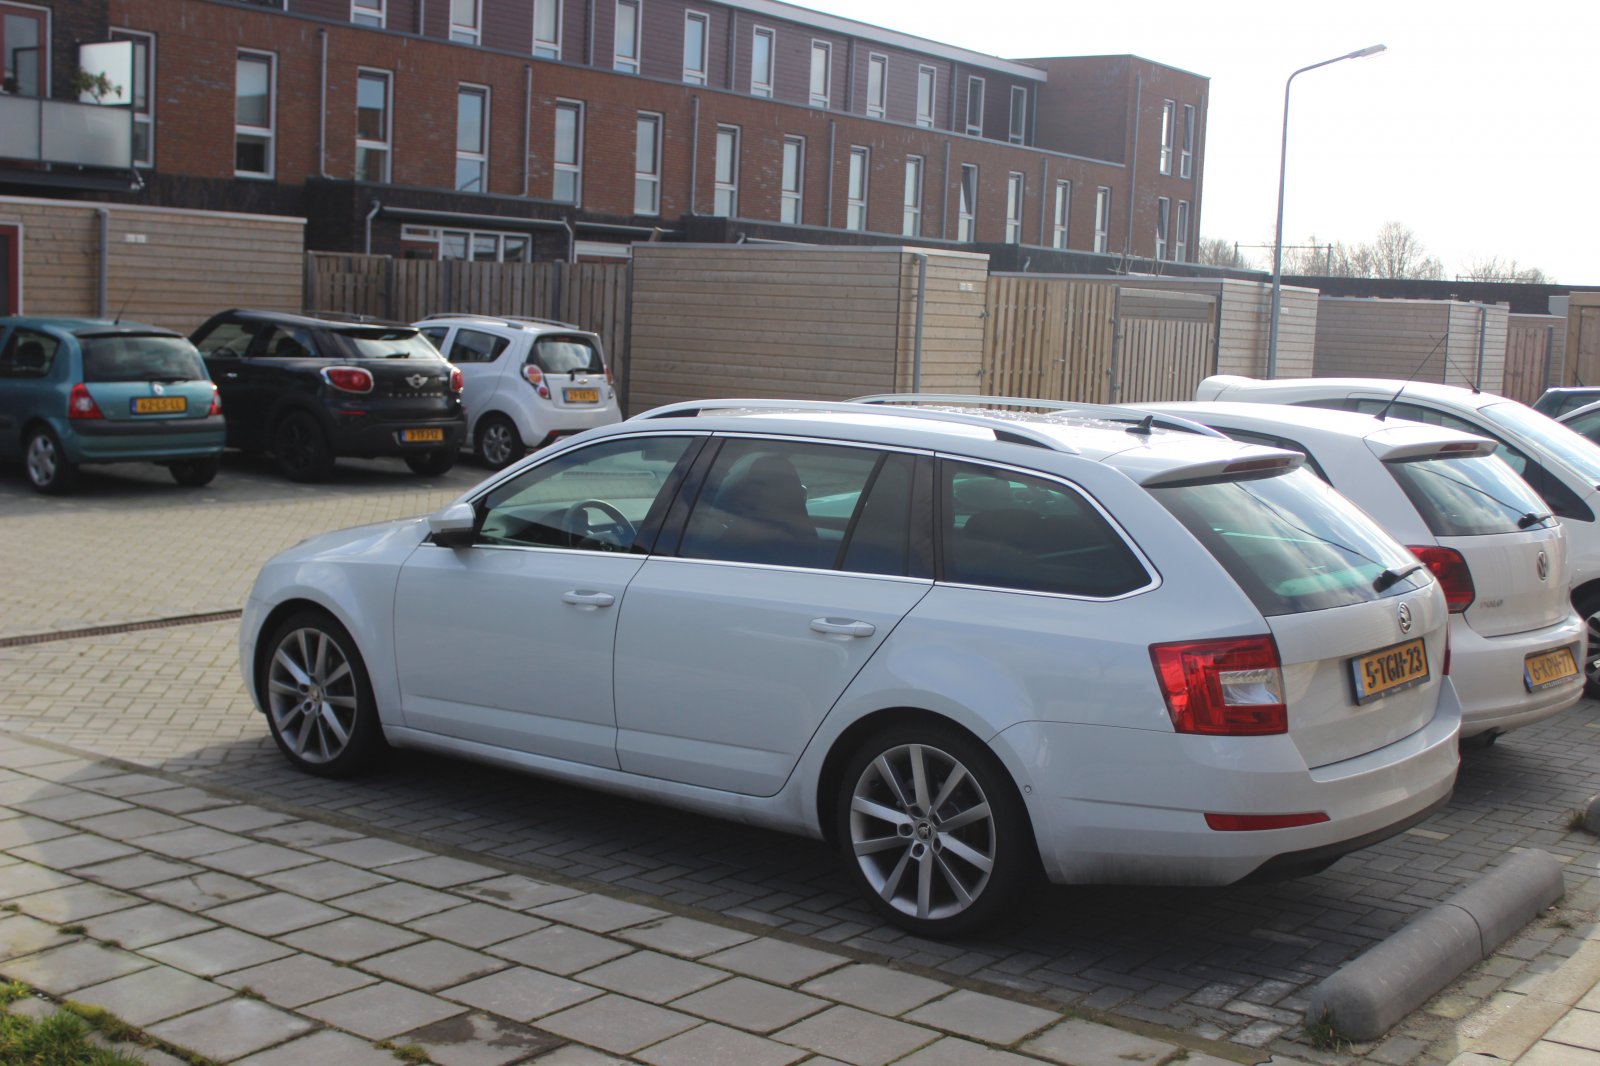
x: 583, y: 395
x: 160, y: 405
x: 1546, y: 668
x: 421, y: 436
x: 1390, y: 670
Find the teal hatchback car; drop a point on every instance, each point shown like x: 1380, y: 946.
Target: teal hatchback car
x: 76, y: 391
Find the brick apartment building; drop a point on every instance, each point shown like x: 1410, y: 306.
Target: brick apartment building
x: 513, y: 129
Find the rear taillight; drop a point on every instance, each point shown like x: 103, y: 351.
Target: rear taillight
x: 216, y: 404
x: 348, y: 378
x: 1230, y: 687
x: 457, y: 382
x: 535, y: 378
x: 80, y: 404
x: 1450, y: 570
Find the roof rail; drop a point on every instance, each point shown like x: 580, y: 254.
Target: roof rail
x: 503, y: 318
x: 1106, y: 412
x: 1010, y: 432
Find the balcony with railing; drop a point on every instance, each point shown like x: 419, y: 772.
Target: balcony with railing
x: 39, y: 137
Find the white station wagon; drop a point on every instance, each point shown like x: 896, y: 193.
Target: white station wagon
x: 963, y: 644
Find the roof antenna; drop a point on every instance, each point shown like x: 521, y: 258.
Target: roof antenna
x: 1384, y: 412
x: 1143, y: 428
x: 117, y: 321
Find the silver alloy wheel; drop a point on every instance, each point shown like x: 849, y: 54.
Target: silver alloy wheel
x: 498, y: 442
x: 922, y: 831
x: 311, y: 695
x: 1591, y: 661
x: 43, y: 459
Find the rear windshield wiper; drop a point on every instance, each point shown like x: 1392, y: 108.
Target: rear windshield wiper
x: 1531, y: 519
x: 1391, y: 577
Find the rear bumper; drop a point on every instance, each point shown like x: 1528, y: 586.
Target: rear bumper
x: 1128, y: 806
x: 542, y: 421
x: 1488, y: 673
x: 105, y: 441
x: 364, y: 436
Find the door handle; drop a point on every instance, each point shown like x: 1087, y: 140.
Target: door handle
x: 587, y: 600
x: 232, y: 375
x: 842, y: 627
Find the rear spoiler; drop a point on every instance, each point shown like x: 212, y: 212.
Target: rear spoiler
x: 1260, y: 462
x: 1417, y: 451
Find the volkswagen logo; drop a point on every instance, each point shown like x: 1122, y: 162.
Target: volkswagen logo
x: 416, y: 381
x: 1543, y: 566
x: 1405, y: 617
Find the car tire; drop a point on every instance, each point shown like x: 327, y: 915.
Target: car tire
x: 318, y: 698
x: 48, y: 468
x: 1588, y: 607
x: 194, y: 473
x: 498, y: 444
x: 300, y: 448
x: 940, y: 872
x: 431, y: 464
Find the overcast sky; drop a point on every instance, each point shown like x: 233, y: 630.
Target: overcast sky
x: 1470, y: 129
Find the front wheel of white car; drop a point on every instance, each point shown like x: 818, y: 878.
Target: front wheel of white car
x: 318, y: 699
x: 933, y: 829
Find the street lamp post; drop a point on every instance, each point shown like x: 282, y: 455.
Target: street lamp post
x: 1277, y: 237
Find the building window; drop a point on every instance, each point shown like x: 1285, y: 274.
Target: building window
x: 856, y: 191
x: 367, y: 12
x: 1063, y: 213
x: 253, y: 106
x: 1102, y: 219
x: 142, y: 98
x: 761, y: 49
x: 1186, y: 156
x: 1163, y: 217
x: 465, y: 21
x: 967, y: 209
x: 877, y: 85
x: 696, y: 29
x: 821, y: 72
x: 472, y: 139
x: 911, y: 220
x: 372, y: 126
x: 1180, y: 241
x: 547, y: 29
x: 569, y: 152
x: 974, y: 107
x: 1169, y: 112
x: 726, y: 200
x: 1019, y: 114
x: 927, y: 80
x: 480, y: 245
x: 24, y: 50
x: 1014, y: 208
x: 794, y: 167
x: 625, y: 54
x: 647, y: 166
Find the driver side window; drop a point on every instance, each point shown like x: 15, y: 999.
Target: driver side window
x: 226, y: 340
x: 594, y: 499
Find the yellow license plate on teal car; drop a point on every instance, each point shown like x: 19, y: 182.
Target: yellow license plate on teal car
x: 1389, y: 670
x: 421, y: 436
x: 1546, y: 668
x: 160, y: 405
x: 583, y: 395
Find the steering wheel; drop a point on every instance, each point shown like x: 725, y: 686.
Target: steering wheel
x: 576, y: 524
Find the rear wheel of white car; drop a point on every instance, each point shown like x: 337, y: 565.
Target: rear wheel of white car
x: 1588, y: 605
x: 498, y: 443
x: 318, y: 698
x: 933, y: 829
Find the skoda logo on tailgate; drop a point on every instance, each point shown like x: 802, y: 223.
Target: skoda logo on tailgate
x: 1405, y: 617
x: 1543, y: 566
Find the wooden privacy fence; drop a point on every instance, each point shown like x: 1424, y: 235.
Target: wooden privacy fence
x: 592, y: 296
x: 1096, y: 342
x: 1535, y: 345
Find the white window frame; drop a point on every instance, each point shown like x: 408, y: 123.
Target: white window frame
x: 911, y: 216
x: 1186, y: 145
x: 575, y: 167
x: 974, y: 129
x: 1180, y: 243
x: 649, y: 173
x: 761, y: 80
x: 1061, y: 220
x: 725, y: 173
x: 791, y: 198
x: 1018, y: 131
x: 143, y: 117
x: 1102, y: 218
x: 467, y: 240
x: 931, y: 76
x: 627, y: 62
x: 547, y: 47
x: 967, y: 203
x: 465, y: 32
x: 480, y: 155
x: 696, y: 22
x: 878, y: 107
x: 1163, y: 220
x: 1169, y: 115
x: 267, y: 132
x: 369, y: 13
x: 821, y: 50
x: 386, y: 145
x: 857, y: 185
x: 1016, y: 191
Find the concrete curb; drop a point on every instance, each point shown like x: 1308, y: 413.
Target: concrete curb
x: 1368, y: 996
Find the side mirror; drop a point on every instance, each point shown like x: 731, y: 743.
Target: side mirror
x: 454, y: 527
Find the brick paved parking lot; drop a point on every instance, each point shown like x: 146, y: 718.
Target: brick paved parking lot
x: 1232, y: 965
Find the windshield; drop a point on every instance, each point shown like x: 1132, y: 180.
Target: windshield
x: 380, y: 343
x: 1549, y: 436
x: 567, y: 355
x: 127, y: 357
x: 1469, y: 497
x: 1292, y: 543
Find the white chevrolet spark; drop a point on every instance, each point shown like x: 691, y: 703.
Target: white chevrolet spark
x: 963, y: 644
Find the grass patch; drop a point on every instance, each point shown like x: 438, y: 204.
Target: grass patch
x: 1323, y: 1035
x: 73, y: 930
x: 412, y: 1053
x: 59, y: 1040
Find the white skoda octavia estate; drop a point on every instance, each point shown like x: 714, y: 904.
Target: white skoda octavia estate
x: 966, y: 639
